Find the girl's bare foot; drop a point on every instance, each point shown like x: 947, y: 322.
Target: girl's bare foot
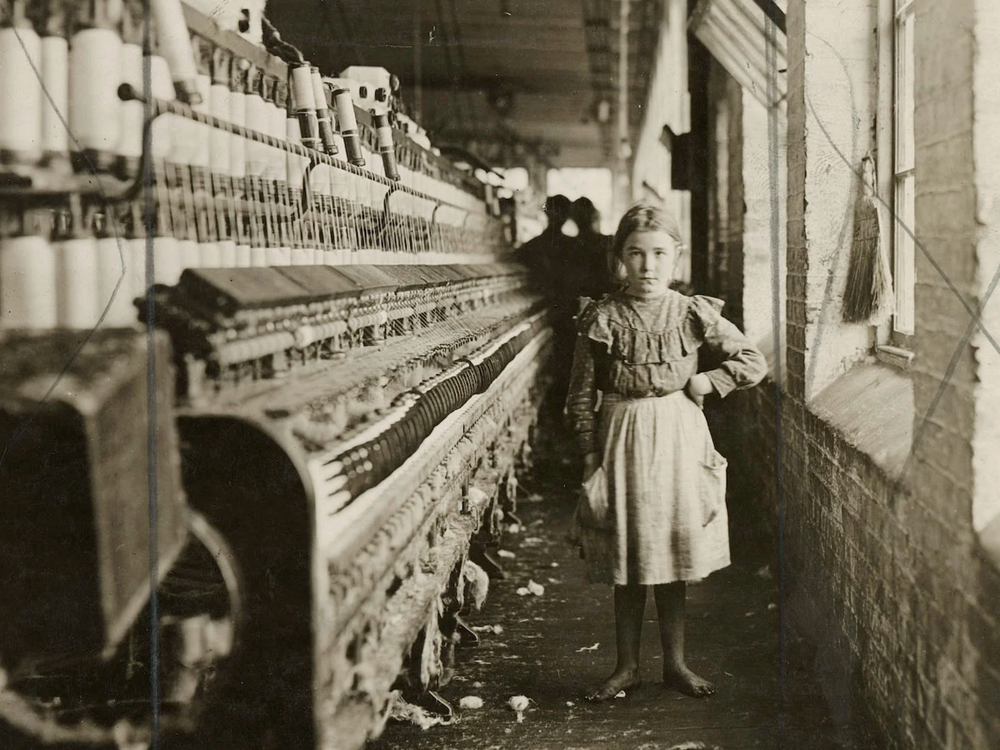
x: 683, y: 679
x: 620, y: 680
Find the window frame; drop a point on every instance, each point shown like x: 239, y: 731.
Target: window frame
x: 903, y: 172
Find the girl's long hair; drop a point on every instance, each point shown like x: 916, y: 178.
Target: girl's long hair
x: 641, y: 217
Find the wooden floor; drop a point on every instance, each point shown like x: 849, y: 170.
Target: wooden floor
x: 554, y: 647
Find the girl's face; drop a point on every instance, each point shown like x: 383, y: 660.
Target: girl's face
x: 650, y: 258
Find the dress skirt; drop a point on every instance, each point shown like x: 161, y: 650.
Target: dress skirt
x: 666, y: 491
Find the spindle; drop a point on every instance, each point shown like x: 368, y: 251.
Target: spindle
x: 55, y: 78
x: 77, y: 271
x: 304, y: 104
x: 94, y: 69
x: 175, y: 45
x: 21, y: 108
x: 28, y: 288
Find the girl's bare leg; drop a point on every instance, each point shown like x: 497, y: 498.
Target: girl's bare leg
x: 670, y: 599
x: 630, y: 604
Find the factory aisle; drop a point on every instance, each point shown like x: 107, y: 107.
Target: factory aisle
x: 553, y: 647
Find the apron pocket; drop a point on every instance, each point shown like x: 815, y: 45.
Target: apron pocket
x: 713, y: 486
x: 593, y: 510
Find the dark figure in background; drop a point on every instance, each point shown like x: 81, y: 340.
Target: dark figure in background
x: 540, y: 253
x: 552, y: 259
x: 592, y: 276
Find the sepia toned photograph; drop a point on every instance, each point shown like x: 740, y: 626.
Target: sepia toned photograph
x: 499, y: 375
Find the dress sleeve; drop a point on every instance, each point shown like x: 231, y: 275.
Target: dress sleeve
x: 582, y: 397
x: 745, y: 365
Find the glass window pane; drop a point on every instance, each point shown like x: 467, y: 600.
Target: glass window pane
x: 904, y: 252
x: 904, y: 93
x: 898, y: 99
x: 908, y: 84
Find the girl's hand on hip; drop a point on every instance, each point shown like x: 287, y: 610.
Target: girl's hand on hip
x: 591, y: 463
x: 697, y: 388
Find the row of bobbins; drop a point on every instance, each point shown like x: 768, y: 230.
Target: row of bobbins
x: 218, y: 200
x: 365, y: 466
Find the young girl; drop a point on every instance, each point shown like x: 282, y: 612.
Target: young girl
x: 666, y: 521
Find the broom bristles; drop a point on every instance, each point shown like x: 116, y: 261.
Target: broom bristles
x: 883, y: 299
x: 865, y: 290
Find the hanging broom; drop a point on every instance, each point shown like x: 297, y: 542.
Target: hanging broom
x: 868, y: 297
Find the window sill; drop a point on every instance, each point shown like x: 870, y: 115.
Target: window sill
x: 871, y: 406
x: 894, y: 356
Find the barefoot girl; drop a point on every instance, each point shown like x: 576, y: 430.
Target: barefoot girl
x: 666, y: 520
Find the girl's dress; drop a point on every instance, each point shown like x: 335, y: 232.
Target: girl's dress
x: 667, y: 517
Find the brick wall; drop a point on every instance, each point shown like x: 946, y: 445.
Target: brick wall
x: 900, y: 604
x: 831, y: 72
x: 797, y: 260
x: 761, y: 290
x: 879, y: 561
x: 732, y: 279
x: 945, y: 375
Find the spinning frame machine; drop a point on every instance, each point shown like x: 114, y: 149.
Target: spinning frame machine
x: 265, y: 383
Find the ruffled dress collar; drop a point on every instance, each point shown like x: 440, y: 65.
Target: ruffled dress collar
x: 640, y: 330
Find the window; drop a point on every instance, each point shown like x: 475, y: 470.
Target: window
x: 903, y: 176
